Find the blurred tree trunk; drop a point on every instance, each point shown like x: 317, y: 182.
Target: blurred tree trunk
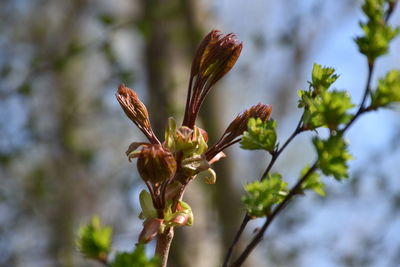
x: 66, y: 164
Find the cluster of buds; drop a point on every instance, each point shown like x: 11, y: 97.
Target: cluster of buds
x: 167, y: 168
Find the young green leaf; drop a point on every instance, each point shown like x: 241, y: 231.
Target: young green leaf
x: 323, y: 108
x: 388, y: 90
x: 146, y: 203
x: 377, y: 35
x: 329, y: 109
x: 313, y: 182
x: 259, y: 135
x: 94, y: 240
x: 262, y: 195
x: 322, y: 78
x: 135, y: 258
x: 332, y: 156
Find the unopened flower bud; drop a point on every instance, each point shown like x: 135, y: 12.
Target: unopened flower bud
x: 183, y: 139
x: 237, y: 127
x: 216, y: 55
x: 239, y: 124
x: 136, y: 111
x: 156, y: 164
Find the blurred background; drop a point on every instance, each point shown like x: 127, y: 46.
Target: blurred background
x: 63, y: 134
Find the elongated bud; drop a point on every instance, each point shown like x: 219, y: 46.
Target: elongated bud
x: 156, y: 164
x: 216, y: 55
x: 239, y: 124
x: 136, y: 111
x: 237, y: 127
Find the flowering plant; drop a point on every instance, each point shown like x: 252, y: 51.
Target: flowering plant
x: 168, y: 167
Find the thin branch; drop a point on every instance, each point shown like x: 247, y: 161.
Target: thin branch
x: 228, y: 255
x: 246, y: 218
x: 258, y: 237
x: 276, y: 154
x: 362, y: 107
x: 389, y: 12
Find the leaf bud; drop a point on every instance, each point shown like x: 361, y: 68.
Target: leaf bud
x: 136, y: 111
x: 183, y: 139
x: 216, y: 55
x: 155, y: 163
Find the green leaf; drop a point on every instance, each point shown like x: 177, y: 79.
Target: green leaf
x: 388, y: 90
x: 323, y: 108
x: 332, y: 156
x: 262, y: 195
x: 377, y: 35
x: 329, y: 109
x: 146, y: 203
x: 313, y: 182
x: 322, y: 78
x: 259, y: 135
x: 94, y: 240
x: 135, y: 258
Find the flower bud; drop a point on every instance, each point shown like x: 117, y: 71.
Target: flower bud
x: 155, y: 163
x: 216, y: 55
x: 239, y: 124
x: 183, y: 139
x: 136, y: 111
x: 237, y: 127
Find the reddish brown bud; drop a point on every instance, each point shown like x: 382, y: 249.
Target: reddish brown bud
x: 156, y: 164
x: 151, y: 227
x: 215, y: 56
x: 239, y: 124
x: 237, y: 127
x: 136, y: 111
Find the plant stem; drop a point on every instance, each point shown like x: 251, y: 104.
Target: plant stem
x: 367, y: 91
x: 164, y: 241
x: 362, y: 109
x: 247, y: 218
x: 258, y: 237
x: 276, y: 154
